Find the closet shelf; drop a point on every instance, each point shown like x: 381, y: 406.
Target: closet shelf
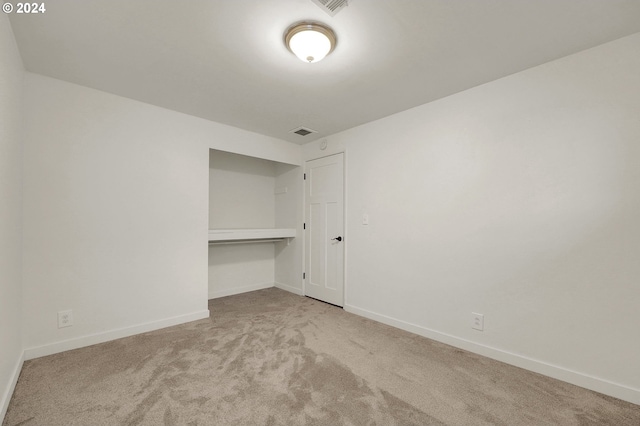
x: 249, y: 235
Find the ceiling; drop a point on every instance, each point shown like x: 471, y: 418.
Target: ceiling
x: 224, y: 60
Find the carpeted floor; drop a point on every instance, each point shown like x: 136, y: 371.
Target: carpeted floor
x: 272, y: 358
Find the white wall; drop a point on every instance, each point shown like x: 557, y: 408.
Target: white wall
x: 116, y: 212
x: 518, y: 199
x: 289, y: 214
x: 11, y: 89
x: 241, y: 191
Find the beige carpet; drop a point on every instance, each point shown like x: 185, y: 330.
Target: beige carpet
x: 273, y: 358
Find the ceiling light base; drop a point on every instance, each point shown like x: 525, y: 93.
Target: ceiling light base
x: 310, y: 41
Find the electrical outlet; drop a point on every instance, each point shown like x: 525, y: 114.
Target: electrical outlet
x: 477, y: 321
x: 65, y: 318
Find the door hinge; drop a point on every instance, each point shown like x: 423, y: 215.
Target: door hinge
x: 304, y: 176
x: 304, y: 226
x: 304, y: 275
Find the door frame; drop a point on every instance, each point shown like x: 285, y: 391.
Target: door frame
x: 342, y: 151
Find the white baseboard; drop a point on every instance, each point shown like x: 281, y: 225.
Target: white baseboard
x: 587, y: 381
x: 11, y: 386
x: 289, y: 288
x: 92, y: 339
x: 239, y: 290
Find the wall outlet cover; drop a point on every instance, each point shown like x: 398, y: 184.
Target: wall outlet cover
x: 477, y: 321
x: 65, y: 318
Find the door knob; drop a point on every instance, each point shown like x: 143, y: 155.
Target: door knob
x: 336, y: 239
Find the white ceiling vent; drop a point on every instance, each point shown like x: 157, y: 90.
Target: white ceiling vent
x: 302, y: 131
x: 331, y: 6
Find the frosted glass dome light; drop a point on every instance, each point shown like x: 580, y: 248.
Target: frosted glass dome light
x: 310, y: 41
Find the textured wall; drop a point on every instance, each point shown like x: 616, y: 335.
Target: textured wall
x: 116, y: 212
x: 517, y: 199
x: 11, y: 89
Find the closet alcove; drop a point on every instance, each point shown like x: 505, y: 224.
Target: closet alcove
x: 255, y: 224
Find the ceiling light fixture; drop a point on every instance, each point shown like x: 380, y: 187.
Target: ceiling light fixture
x: 310, y: 41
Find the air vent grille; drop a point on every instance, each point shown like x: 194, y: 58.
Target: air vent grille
x: 302, y: 131
x: 331, y: 6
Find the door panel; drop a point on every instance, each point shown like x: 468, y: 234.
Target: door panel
x: 324, y: 258
x: 334, y: 228
x: 315, y: 249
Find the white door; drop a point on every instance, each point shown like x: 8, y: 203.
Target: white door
x: 324, y: 221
